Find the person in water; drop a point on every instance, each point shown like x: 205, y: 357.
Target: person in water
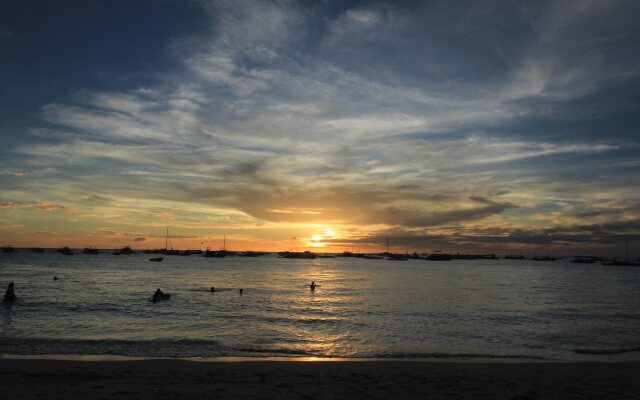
x: 157, y: 296
x: 240, y: 291
x: 212, y: 289
x: 313, y: 285
x: 10, y: 295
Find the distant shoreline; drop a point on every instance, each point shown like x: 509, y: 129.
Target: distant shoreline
x: 295, y: 359
x: 631, y: 356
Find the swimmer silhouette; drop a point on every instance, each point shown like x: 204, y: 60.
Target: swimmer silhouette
x: 10, y: 295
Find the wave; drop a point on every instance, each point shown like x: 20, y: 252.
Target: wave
x: 133, y: 348
x: 606, y: 351
x: 454, y: 355
x: 184, y: 348
x: 279, y: 351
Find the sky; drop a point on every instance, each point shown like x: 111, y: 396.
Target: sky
x: 471, y: 126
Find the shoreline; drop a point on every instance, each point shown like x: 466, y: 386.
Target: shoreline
x: 176, y: 378
x: 293, y: 359
x: 632, y: 356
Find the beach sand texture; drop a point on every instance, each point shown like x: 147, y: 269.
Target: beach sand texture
x: 175, y: 379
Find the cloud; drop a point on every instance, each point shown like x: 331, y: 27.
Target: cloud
x: 95, y: 199
x: 46, y: 207
x: 140, y: 239
x: 161, y: 213
x: 368, y: 116
x: 12, y: 173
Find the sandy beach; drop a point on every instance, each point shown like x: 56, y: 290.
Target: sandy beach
x: 174, y: 379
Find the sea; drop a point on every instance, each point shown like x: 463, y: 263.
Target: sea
x: 362, y: 309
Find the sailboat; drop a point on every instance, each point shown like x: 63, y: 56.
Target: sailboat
x: 626, y: 263
x: 166, y: 250
x: 438, y: 255
x: 393, y: 256
x: 218, y: 253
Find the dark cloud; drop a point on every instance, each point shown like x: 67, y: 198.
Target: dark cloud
x: 602, y: 236
x: 471, y: 118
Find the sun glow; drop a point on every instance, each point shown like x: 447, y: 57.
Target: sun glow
x: 321, y: 239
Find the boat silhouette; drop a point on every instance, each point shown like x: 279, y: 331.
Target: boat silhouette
x: 297, y: 254
x: 438, y: 255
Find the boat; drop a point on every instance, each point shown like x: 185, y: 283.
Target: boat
x: 514, y: 257
x: 545, y: 258
x: 459, y: 256
x: 215, y: 253
x: 297, y: 254
x: 324, y: 256
x: 253, y: 253
x: 218, y: 253
x: 37, y: 250
x: 585, y: 259
x: 156, y: 259
x: 171, y: 252
x: 166, y: 251
x: 397, y: 257
x: 371, y: 257
x: 65, y: 251
x: 619, y: 263
x: 350, y: 254
x: 438, y: 255
x: 125, y: 250
x: 90, y: 250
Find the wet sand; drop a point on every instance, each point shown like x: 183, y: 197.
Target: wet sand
x: 175, y: 379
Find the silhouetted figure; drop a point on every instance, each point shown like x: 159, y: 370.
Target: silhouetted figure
x: 313, y: 285
x: 55, y: 278
x: 240, y: 291
x: 159, y: 295
x: 212, y: 289
x: 10, y: 295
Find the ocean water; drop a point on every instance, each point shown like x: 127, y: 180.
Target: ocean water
x: 362, y: 308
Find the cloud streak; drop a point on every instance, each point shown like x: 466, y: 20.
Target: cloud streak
x: 370, y: 117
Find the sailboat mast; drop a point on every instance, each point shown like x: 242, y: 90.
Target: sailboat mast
x: 627, y: 241
x: 224, y: 242
x: 166, y: 240
x: 387, y: 243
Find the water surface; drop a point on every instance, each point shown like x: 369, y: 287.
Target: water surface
x: 363, y: 308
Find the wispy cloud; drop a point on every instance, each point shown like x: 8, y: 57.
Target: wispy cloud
x: 378, y: 116
x: 47, y: 207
